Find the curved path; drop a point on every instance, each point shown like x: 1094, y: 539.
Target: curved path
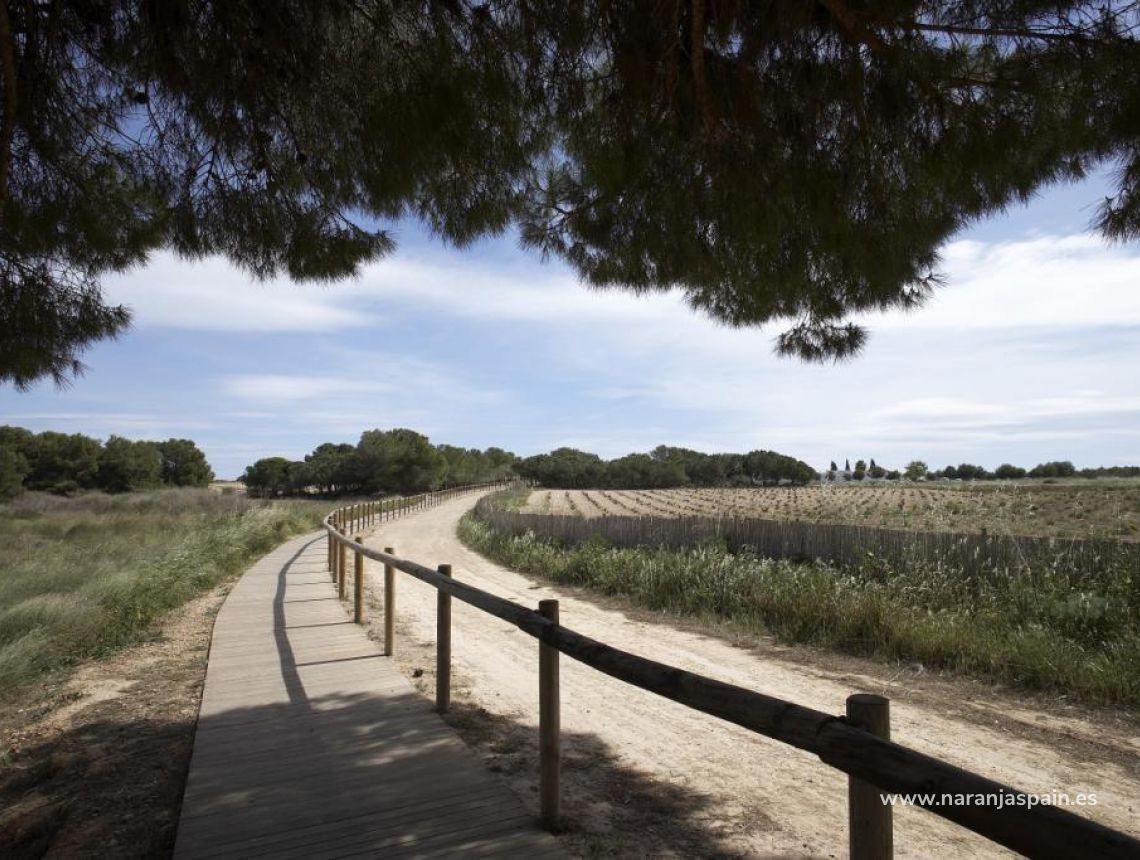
x: 309, y: 743
x: 645, y: 775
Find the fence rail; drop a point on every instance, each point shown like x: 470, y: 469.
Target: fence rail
x: 856, y: 743
x: 843, y: 545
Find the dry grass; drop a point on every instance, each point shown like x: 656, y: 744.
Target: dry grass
x: 86, y: 575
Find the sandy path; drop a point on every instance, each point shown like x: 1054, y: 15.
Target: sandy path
x: 641, y: 768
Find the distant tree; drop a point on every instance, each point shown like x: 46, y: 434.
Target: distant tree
x: 63, y: 463
x: 639, y: 471
x: 875, y: 470
x: 184, y: 464
x: 771, y: 467
x: 846, y: 465
x: 564, y: 467
x: 270, y: 477
x: 500, y: 460
x: 331, y: 468
x: 13, y: 470
x: 915, y: 470
x: 1111, y: 472
x: 18, y: 439
x: 1053, y: 469
x: 125, y: 466
x: 1006, y: 471
x: 860, y: 471
x: 834, y: 468
x: 893, y: 475
x: 731, y: 468
x: 398, y: 461
x: 970, y: 472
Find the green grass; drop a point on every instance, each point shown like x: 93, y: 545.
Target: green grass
x: 81, y: 577
x: 1037, y: 632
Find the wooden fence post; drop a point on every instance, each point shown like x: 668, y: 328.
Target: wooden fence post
x: 389, y: 605
x: 443, y: 645
x: 329, y: 551
x: 871, y: 835
x: 358, y: 586
x: 549, y: 724
x: 341, y: 560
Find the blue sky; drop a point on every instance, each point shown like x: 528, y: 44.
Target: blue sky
x: 1030, y: 353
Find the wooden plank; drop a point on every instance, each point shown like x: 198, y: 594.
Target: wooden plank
x: 311, y: 743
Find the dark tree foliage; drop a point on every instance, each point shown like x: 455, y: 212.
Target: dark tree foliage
x: 66, y: 463
x: 382, y: 462
x: 13, y: 470
x: 781, y: 159
x: 183, y: 464
x: 1053, y: 469
x: 1007, y: 471
x: 664, y: 467
x: 1111, y: 472
x: 63, y: 462
x: 125, y: 465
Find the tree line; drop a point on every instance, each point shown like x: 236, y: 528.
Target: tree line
x: 917, y: 470
x: 65, y: 463
x: 383, y: 461
x: 664, y: 466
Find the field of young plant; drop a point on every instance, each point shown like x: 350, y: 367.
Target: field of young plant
x: 1087, y: 509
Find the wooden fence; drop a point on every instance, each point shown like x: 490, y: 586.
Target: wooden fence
x: 856, y: 743
x: 1080, y: 561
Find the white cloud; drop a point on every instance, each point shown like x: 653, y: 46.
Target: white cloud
x: 212, y: 295
x: 1063, y: 281
x: 282, y: 388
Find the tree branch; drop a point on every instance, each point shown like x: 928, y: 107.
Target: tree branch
x: 842, y: 13
x: 697, y: 61
x: 8, y: 123
x: 1001, y: 32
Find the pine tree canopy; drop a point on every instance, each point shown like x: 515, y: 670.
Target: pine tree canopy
x: 779, y: 160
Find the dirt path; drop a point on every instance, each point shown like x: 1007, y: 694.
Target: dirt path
x: 645, y: 775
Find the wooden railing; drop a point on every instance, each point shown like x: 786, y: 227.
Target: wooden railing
x: 856, y: 743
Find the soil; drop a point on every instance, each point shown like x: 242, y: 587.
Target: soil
x: 646, y: 776
x: 94, y: 764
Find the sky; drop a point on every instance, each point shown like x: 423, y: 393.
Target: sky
x: 1029, y: 353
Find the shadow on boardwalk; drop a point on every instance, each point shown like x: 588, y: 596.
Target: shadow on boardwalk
x: 314, y: 771
x: 276, y: 815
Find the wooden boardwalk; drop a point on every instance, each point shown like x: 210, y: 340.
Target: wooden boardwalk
x: 310, y: 743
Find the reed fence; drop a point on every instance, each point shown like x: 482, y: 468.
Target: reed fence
x: 1080, y: 561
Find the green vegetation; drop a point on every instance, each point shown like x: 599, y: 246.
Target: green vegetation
x: 66, y: 463
x: 86, y: 575
x: 663, y: 467
x: 1042, y: 631
x: 383, y: 461
x: 703, y: 147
